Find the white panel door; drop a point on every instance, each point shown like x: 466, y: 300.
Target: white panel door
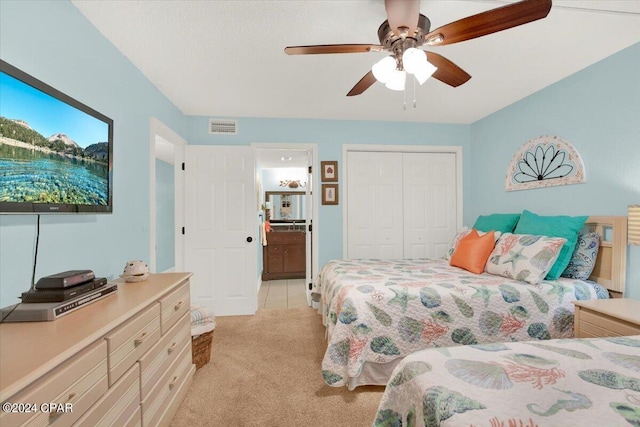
x: 430, y: 203
x: 374, y: 205
x: 221, y: 228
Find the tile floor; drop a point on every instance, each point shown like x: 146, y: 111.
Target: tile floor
x: 282, y: 294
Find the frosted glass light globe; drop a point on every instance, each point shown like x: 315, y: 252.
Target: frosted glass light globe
x: 413, y: 59
x: 397, y: 80
x: 383, y: 70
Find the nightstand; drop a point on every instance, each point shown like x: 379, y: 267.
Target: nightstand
x: 607, y: 318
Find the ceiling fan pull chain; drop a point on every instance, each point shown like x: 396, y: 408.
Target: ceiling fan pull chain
x: 404, y: 98
x: 414, y: 92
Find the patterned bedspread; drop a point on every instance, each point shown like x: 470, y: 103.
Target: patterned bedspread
x: 565, y: 382
x: 378, y: 311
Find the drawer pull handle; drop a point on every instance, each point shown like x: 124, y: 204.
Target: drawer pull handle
x: 178, y: 305
x: 54, y: 415
x: 140, y: 339
x: 170, y: 349
x: 172, y: 384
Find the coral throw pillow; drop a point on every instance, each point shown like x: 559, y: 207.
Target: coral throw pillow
x: 473, y: 251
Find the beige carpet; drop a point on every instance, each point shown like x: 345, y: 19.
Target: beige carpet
x: 265, y: 371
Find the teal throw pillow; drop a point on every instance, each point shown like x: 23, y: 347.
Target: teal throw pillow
x: 497, y: 222
x: 553, y: 226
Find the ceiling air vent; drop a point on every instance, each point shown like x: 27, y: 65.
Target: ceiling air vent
x: 223, y: 127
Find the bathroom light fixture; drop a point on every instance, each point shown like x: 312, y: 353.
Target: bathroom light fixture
x: 292, y: 184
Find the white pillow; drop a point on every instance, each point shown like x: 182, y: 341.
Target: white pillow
x: 524, y: 257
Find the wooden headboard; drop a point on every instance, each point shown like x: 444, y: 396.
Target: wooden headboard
x: 610, y: 270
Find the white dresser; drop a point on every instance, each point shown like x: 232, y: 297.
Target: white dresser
x: 122, y: 361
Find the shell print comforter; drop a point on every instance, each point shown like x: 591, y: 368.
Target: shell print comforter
x: 379, y: 311
x: 566, y: 382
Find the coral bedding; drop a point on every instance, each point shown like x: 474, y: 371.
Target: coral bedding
x: 378, y: 311
x: 567, y: 382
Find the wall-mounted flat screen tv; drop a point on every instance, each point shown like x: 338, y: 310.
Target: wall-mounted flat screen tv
x: 56, y: 153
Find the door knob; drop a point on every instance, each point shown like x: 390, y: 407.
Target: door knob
x: 249, y: 239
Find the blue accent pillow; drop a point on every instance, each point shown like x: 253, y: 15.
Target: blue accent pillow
x: 553, y: 226
x: 497, y: 222
x: 584, y: 257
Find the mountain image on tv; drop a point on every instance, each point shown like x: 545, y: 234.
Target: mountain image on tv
x: 51, y: 152
x: 54, y: 169
x: 18, y: 133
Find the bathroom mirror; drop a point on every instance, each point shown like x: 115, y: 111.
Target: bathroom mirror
x: 285, y: 206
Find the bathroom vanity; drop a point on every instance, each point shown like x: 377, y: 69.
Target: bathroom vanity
x: 284, y: 256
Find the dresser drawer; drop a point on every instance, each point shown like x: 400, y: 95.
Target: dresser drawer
x: 135, y: 420
x: 127, y: 343
x: 174, y: 404
x: 78, y: 383
x: 118, y: 405
x: 605, y: 326
x: 173, y: 306
x: 154, y: 405
x: 155, y: 362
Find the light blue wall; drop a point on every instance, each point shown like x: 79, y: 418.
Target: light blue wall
x: 598, y: 111
x: 330, y: 136
x: 165, y: 216
x: 52, y: 41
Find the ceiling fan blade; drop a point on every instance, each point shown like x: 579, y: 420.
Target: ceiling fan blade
x: 489, y: 22
x: 447, y: 71
x: 364, y: 84
x: 332, y: 48
x: 402, y: 13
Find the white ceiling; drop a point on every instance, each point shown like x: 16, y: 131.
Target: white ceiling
x: 225, y: 58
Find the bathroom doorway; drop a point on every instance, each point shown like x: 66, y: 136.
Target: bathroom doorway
x: 287, y: 254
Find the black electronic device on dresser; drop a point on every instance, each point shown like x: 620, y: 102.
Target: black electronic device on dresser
x: 65, y: 279
x: 57, y: 295
x: 62, y: 294
x: 63, y: 286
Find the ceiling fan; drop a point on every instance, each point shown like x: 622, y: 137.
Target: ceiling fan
x: 406, y: 29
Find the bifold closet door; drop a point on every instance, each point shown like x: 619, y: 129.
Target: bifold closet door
x: 400, y: 205
x: 374, y: 205
x: 430, y: 203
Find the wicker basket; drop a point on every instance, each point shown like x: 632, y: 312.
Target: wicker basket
x: 201, y: 349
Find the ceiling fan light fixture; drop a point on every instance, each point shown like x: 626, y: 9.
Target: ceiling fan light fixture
x: 397, y: 81
x: 424, y: 72
x: 413, y: 60
x: 383, y: 70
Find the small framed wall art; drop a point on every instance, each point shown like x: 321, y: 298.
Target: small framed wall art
x: 329, y: 171
x: 330, y: 194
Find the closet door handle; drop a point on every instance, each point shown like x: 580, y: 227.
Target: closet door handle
x: 249, y: 239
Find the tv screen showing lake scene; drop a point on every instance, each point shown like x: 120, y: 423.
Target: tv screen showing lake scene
x: 55, y: 153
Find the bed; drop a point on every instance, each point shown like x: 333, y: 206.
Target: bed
x: 378, y: 311
x: 560, y: 382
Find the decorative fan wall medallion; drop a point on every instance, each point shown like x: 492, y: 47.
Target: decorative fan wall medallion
x: 545, y: 161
